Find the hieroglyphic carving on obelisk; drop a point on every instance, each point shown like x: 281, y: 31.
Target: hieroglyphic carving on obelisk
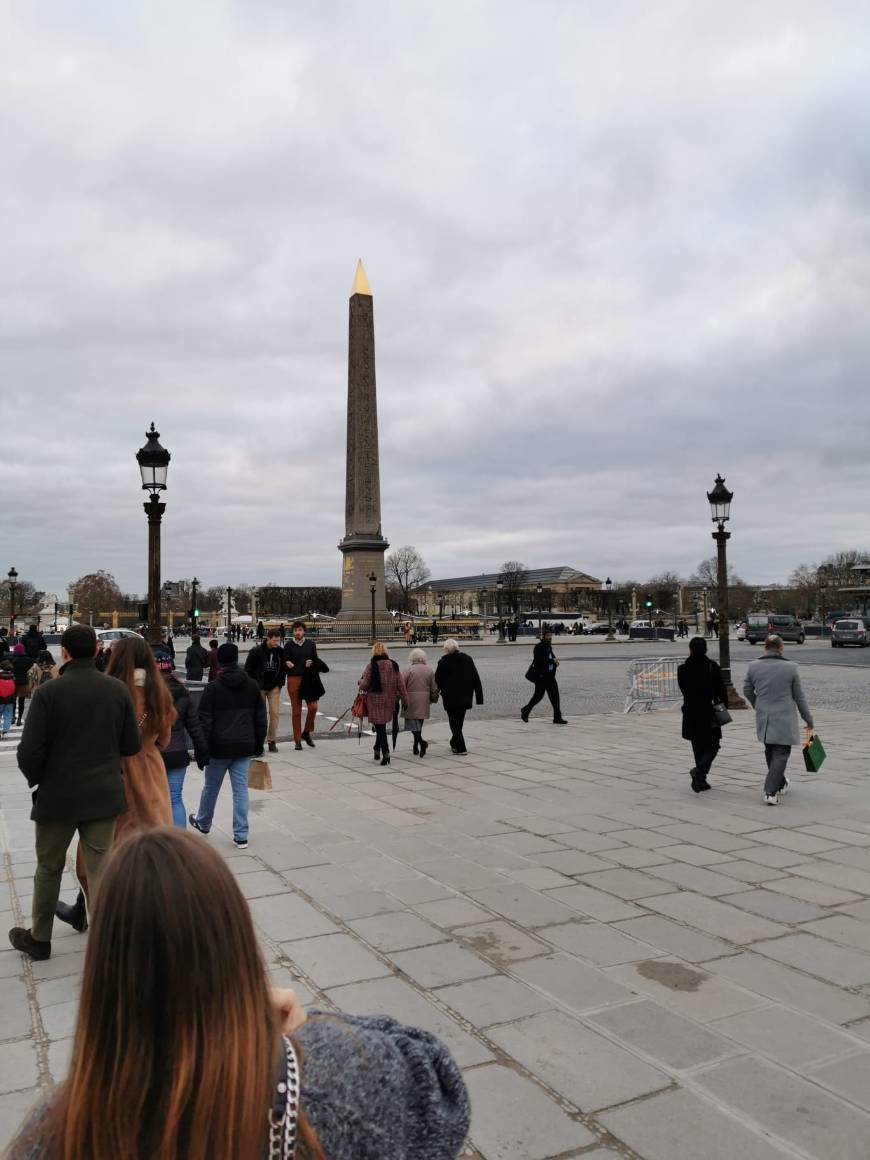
x: 363, y: 545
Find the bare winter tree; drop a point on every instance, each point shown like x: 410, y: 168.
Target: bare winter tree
x: 27, y: 600
x: 706, y: 575
x: 406, y: 570
x: 96, y: 592
x: 515, y: 577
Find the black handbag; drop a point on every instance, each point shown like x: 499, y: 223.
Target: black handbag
x: 531, y: 674
x: 721, y: 716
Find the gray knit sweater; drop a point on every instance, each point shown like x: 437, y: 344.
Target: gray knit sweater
x: 371, y: 1089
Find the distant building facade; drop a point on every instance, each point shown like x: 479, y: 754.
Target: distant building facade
x: 562, y: 589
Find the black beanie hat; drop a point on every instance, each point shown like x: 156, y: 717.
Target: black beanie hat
x: 228, y: 653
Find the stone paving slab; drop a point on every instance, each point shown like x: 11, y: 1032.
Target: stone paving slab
x: 620, y: 967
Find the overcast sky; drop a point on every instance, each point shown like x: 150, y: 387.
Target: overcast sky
x: 615, y: 248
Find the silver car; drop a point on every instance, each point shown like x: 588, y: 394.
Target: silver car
x: 849, y: 632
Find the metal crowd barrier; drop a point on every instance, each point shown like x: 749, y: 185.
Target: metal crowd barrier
x: 652, y: 681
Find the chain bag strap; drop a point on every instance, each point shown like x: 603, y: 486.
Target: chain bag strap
x: 285, y: 1110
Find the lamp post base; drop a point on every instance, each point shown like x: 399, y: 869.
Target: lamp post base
x: 733, y: 698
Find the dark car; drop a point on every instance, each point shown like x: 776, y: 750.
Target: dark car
x: 850, y: 631
x: 602, y: 628
x: 760, y: 625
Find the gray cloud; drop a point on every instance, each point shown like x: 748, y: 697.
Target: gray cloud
x: 614, y: 250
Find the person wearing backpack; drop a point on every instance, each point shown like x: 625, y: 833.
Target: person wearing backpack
x: 7, y: 697
x: 175, y: 754
x: 43, y: 670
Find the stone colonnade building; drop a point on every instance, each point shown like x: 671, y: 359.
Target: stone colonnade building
x: 563, y: 589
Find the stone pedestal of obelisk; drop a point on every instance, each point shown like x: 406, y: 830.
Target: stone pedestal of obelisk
x: 363, y: 546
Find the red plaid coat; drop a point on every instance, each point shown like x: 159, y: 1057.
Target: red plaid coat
x: 381, y: 705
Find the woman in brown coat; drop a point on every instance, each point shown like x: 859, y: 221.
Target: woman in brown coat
x: 422, y: 692
x: 145, y: 786
x: 384, y: 684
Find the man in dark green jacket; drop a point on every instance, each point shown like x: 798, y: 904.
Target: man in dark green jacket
x: 77, y: 730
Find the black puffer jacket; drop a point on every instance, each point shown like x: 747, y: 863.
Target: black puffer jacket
x: 186, y: 730
x: 233, y: 714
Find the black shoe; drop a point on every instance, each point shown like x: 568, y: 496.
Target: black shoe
x: 377, y: 753
x: 306, y: 737
x: 24, y: 941
x: 424, y: 745
x: 192, y: 819
x: 524, y: 713
x: 385, y: 760
x: 273, y: 746
x: 559, y: 721
x: 298, y: 745
x: 458, y: 752
x: 76, y: 914
x: 705, y: 784
x: 696, y: 780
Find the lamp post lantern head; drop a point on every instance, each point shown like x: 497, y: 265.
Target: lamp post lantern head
x: 373, y: 582
x: 153, y: 463
x: 539, y: 589
x: 720, y: 501
x: 13, y: 575
x: 608, y: 584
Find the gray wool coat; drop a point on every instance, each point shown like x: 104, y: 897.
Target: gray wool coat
x: 773, y: 689
x: 420, y: 683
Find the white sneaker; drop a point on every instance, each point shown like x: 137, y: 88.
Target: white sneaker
x: 785, y: 786
x: 771, y: 799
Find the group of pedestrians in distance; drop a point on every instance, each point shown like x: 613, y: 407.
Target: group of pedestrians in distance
x: 773, y: 689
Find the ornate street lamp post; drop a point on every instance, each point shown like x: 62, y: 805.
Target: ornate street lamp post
x: 720, y: 509
x: 153, y: 463
x: 608, y: 588
x: 194, y: 584
x: 499, y: 585
x: 373, y: 588
x: 12, y: 576
x: 540, y: 591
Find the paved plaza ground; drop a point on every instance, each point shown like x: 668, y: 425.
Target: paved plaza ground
x: 621, y: 968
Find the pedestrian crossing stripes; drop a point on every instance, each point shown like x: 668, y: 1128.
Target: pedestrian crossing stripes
x: 10, y: 742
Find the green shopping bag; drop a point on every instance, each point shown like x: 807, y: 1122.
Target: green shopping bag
x: 814, y: 754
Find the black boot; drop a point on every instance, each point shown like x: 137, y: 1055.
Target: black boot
x: 76, y: 914
x: 385, y: 760
x: 696, y: 780
x: 377, y: 753
x: 424, y: 745
x: 416, y: 743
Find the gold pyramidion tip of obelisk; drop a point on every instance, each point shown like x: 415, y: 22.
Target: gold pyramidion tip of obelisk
x: 360, y: 281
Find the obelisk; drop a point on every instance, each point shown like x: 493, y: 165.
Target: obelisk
x: 363, y: 545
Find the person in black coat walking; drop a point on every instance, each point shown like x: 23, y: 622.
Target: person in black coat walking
x: 542, y: 671
x: 175, y: 755
x: 701, y: 684
x: 458, y: 680
x: 34, y: 642
x: 265, y: 665
x: 233, y: 718
x: 195, y: 660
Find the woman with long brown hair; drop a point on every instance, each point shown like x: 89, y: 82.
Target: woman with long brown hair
x: 182, y: 1053
x: 145, y: 786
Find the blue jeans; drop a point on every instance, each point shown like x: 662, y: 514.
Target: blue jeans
x: 214, y: 777
x: 6, y: 717
x: 175, y: 777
